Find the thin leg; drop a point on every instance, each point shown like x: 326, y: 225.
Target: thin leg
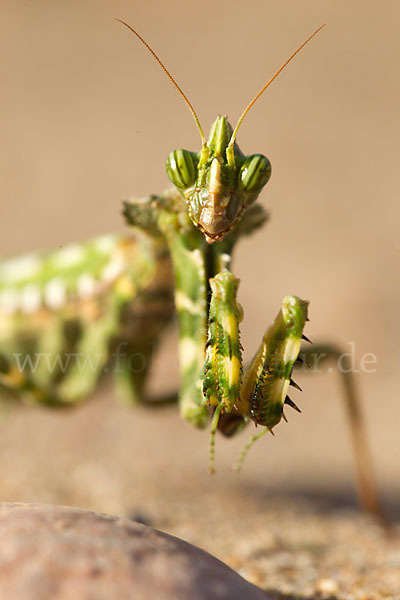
x: 367, y: 488
x: 238, y: 467
x: 17, y: 383
x: 214, y: 425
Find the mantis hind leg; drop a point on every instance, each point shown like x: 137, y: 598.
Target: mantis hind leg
x: 367, y: 488
x: 142, y: 325
x: 14, y: 382
x: 62, y: 373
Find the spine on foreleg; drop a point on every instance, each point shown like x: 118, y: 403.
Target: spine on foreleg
x: 267, y: 380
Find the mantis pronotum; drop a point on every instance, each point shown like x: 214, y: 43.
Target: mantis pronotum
x: 65, y: 315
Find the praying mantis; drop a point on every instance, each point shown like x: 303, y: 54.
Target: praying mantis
x: 71, y: 315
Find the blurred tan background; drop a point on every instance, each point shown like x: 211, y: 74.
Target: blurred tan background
x: 87, y: 118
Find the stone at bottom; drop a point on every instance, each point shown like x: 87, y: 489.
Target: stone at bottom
x: 61, y: 553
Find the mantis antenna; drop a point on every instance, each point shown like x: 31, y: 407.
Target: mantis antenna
x: 256, y: 97
x: 168, y: 74
x: 186, y: 99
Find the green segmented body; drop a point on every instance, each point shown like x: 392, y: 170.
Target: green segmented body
x: 63, y: 313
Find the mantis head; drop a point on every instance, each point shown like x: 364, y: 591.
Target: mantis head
x: 219, y: 182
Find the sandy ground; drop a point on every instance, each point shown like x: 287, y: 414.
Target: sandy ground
x: 293, y: 532
x: 87, y: 119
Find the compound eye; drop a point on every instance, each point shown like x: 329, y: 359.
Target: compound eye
x: 181, y: 168
x: 254, y: 173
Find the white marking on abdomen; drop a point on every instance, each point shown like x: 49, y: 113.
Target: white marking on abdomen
x: 68, y: 256
x: 30, y: 298
x: 86, y: 285
x: 55, y: 293
x: 113, y: 269
x: 8, y: 301
x: 105, y: 243
x: 20, y: 268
